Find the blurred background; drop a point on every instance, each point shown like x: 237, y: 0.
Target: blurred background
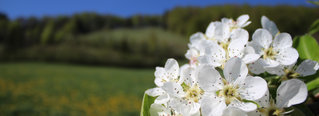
x: 97, y: 57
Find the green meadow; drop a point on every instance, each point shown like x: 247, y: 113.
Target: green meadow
x: 86, y: 50
x: 71, y: 90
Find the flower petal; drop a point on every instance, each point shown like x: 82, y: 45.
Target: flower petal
x: 160, y: 76
x: 255, y: 113
x: 197, y: 113
x: 262, y: 37
x: 155, y: 92
x: 264, y: 101
x: 278, y: 70
x: 235, y: 70
x: 212, y: 105
x: 172, y: 69
x: 222, y: 32
x: 210, y: 31
x: 282, y: 41
x: 227, y: 21
x: 236, y: 48
x: 162, y: 99
x: 270, y: 62
x: 233, y: 111
x: 269, y: 25
x: 173, y: 89
x: 287, y: 56
x: 241, y: 20
x: 192, y: 53
x: 188, y: 75
x: 254, y: 48
x: 257, y: 67
x: 307, y: 67
x: 218, y: 31
x: 184, y: 107
x: 249, y: 49
x: 246, y: 24
x: 157, y: 109
x: 209, y: 79
x: 249, y: 58
x: 240, y: 34
x: 196, y: 38
x: 250, y: 54
x: 214, y: 55
x: 247, y: 107
x: 207, y: 60
x: 195, y: 110
x: 253, y: 88
x: 291, y: 92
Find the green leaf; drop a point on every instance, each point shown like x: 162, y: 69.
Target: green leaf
x: 313, y: 84
x: 307, y: 47
x: 314, y: 28
x: 221, y: 72
x: 185, y: 86
x: 310, y: 78
x: 301, y: 110
x: 315, y: 92
x: 146, y: 104
x: 297, y: 112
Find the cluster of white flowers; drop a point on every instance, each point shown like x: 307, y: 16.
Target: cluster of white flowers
x: 221, y: 76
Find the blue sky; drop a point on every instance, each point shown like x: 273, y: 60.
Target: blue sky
x: 39, y: 8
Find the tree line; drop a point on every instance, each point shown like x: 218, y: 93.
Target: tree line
x: 49, y: 32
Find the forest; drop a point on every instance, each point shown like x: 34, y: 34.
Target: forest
x: 135, y: 41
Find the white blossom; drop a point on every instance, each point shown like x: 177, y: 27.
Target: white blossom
x: 226, y: 39
x: 196, y: 49
x: 186, y: 97
x: 217, y: 54
x: 233, y: 111
x: 216, y: 82
x: 169, y: 73
x: 306, y: 68
x: 159, y: 110
x: 269, y: 25
x: 273, y: 52
x: 230, y: 91
x: 218, y: 31
x: 241, y: 22
x: 290, y: 92
x: 163, y: 75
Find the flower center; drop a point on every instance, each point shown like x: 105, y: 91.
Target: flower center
x: 274, y: 112
x: 290, y: 74
x: 177, y: 115
x: 224, y: 45
x: 210, y: 38
x: 173, y: 114
x: 223, y: 62
x: 269, y: 53
x: 233, y: 25
x: 194, y: 60
x: 229, y: 92
x: 194, y: 93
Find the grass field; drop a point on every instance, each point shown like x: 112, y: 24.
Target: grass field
x: 63, y: 90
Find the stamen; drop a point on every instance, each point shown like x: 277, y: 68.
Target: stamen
x: 269, y: 53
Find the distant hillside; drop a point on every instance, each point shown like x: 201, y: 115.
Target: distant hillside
x: 91, y: 38
x: 145, y: 47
